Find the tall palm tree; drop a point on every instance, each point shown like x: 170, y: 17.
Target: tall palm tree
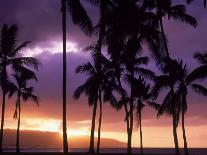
x: 165, y: 8
x: 187, y: 80
x: 141, y: 94
x: 25, y: 93
x: 11, y: 55
x: 133, y: 32
x: 98, y: 81
x: 80, y: 17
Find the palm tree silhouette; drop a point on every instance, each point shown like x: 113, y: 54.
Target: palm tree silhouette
x: 168, y: 80
x: 98, y: 81
x: 25, y: 93
x: 131, y: 34
x: 80, y: 17
x: 188, y: 80
x: 133, y: 63
x: 11, y: 55
x: 165, y: 8
x: 141, y: 93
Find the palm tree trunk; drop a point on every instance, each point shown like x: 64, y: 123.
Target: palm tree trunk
x: 100, y: 120
x: 140, y: 128
x: 129, y: 149
x: 164, y: 38
x: 91, y: 147
x: 174, y: 119
x: 125, y: 106
x: 2, y: 120
x: 175, y: 135
x: 101, y: 32
x: 65, y: 141
x: 183, y: 129
x: 140, y: 133
x: 18, y: 127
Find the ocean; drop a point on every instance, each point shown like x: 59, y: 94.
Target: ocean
x: 193, y: 151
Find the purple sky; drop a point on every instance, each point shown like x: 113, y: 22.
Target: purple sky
x: 40, y: 22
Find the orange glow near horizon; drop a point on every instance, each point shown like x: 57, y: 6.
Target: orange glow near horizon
x: 152, y: 136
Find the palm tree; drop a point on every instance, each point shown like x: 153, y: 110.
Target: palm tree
x: 131, y: 33
x: 11, y: 55
x: 141, y: 94
x: 80, y: 17
x: 133, y: 62
x: 187, y: 80
x: 107, y: 89
x: 168, y: 80
x: 25, y: 93
x: 98, y: 81
x: 165, y: 8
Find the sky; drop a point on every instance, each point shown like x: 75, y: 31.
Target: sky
x: 39, y: 21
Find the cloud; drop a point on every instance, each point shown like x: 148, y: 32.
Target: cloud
x: 83, y: 122
x: 40, y: 21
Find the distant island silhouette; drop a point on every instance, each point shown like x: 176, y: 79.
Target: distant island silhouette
x: 44, y: 139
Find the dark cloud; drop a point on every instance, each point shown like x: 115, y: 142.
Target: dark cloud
x: 40, y: 21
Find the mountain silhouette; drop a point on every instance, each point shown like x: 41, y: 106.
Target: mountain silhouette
x: 34, y: 138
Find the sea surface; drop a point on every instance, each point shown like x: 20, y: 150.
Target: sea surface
x: 193, y: 151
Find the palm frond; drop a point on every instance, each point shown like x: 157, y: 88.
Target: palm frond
x: 23, y: 74
x: 21, y: 61
x: 8, y: 39
x: 18, y: 49
x: 201, y: 57
x: 198, y: 73
x: 154, y: 105
x: 199, y: 89
x: 80, y: 16
x: 80, y: 90
x: 167, y: 106
x: 142, y: 60
x: 144, y: 72
x: 178, y: 12
x: 86, y: 68
x: 161, y: 82
x: 26, y: 96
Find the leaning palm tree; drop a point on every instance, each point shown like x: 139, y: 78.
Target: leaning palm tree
x: 80, y: 17
x: 141, y: 94
x: 24, y: 92
x: 106, y: 90
x: 187, y: 81
x: 11, y: 56
x: 98, y: 81
x: 165, y: 8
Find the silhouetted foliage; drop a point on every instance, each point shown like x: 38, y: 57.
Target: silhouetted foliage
x: 25, y: 93
x: 11, y: 56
